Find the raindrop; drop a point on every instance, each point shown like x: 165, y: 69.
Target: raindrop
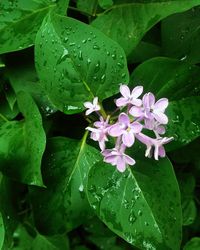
x: 113, y: 56
x: 132, y: 218
x: 80, y: 55
x: 66, y: 39
x: 71, y: 44
x: 88, y: 60
x: 96, y: 47
x: 121, y: 65
x: 81, y: 188
x: 140, y: 213
x: 103, y: 78
x: 84, y: 41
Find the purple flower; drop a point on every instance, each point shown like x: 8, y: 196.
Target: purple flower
x: 151, y: 110
x: 100, y: 132
x: 118, y: 158
x: 157, y: 144
x: 125, y: 128
x: 92, y: 106
x: 129, y: 97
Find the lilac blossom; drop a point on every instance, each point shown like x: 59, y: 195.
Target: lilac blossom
x: 100, y: 132
x: 92, y: 106
x: 157, y: 144
x: 146, y: 114
x: 118, y: 158
x: 151, y: 110
x: 129, y: 97
x: 125, y: 128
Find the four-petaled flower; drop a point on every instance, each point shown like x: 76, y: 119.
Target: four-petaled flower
x: 125, y: 128
x: 118, y: 158
x: 156, y: 144
x: 139, y: 115
x: 100, y: 132
x: 92, y: 106
x: 129, y: 97
x: 151, y: 110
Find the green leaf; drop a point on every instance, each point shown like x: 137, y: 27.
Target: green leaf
x: 127, y: 21
x: 144, y: 51
x: 21, y: 19
x: 187, y: 186
x: 193, y: 244
x: 8, y: 209
x: 39, y: 242
x: 167, y: 77
x: 76, y: 62
x: 87, y: 6
x: 24, y: 78
x: 62, y: 205
x: 2, y: 231
x: 181, y: 36
x: 184, y: 121
x: 105, y: 4
x: 135, y: 206
x: 22, y: 144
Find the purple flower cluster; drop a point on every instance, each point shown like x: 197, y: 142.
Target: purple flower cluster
x: 136, y: 115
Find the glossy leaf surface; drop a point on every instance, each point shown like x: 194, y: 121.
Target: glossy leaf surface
x: 76, y: 62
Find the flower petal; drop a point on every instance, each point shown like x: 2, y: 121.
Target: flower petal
x: 95, y: 101
x: 121, y: 165
x: 137, y: 91
x: 161, y: 151
x: 136, y: 127
x: 125, y: 91
x: 148, y: 100
x: 115, y: 130
x: 136, y: 111
x: 89, y: 111
x: 136, y: 102
x: 88, y: 105
x: 149, y: 123
x: 124, y: 119
x: 121, y: 102
x: 128, y: 138
x: 160, y: 117
x: 112, y: 159
x: 161, y: 104
x: 129, y: 160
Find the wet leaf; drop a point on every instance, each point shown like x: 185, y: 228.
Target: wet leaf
x: 21, y: 19
x: 167, y: 77
x: 193, y: 244
x: 63, y: 206
x: 127, y: 21
x: 144, y: 212
x: 76, y: 62
x: 22, y: 144
x: 184, y: 121
x: 181, y: 36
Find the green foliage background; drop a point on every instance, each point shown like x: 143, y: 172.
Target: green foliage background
x: 56, y: 192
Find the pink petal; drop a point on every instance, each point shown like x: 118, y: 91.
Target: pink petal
x: 115, y: 130
x: 160, y: 117
x: 124, y: 119
x: 137, y: 91
x: 88, y: 105
x: 161, y: 104
x: 121, y: 102
x: 121, y: 165
x: 136, y: 102
x: 95, y: 101
x: 125, y: 91
x: 89, y: 111
x: 161, y: 151
x: 136, y: 127
x: 129, y: 160
x: 149, y: 123
x: 112, y: 159
x: 148, y: 100
x: 156, y: 152
x: 136, y: 111
x: 160, y: 130
x: 128, y: 138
